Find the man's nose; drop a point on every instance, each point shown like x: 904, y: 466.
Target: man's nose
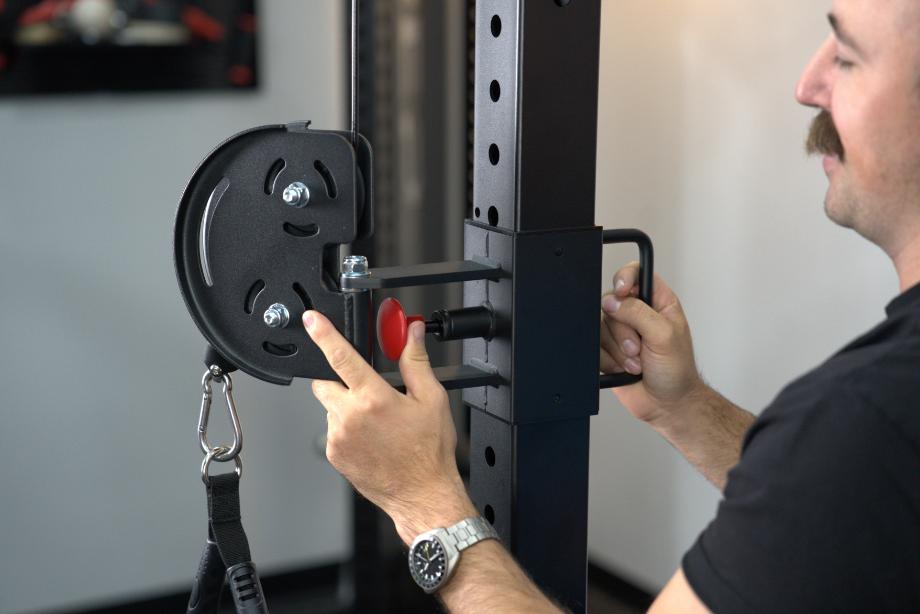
x: 814, y: 86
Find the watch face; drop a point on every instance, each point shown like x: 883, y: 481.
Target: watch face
x: 427, y: 562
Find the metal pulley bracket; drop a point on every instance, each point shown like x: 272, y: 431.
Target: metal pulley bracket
x: 256, y: 244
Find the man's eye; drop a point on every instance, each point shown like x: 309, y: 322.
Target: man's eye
x: 842, y: 64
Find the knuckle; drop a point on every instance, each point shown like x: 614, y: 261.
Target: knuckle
x: 367, y: 404
x: 668, y: 336
x: 338, y: 358
x: 333, y: 449
x: 319, y: 390
x: 441, y: 396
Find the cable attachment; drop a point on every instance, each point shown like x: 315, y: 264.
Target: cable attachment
x: 212, y: 455
x: 222, y: 453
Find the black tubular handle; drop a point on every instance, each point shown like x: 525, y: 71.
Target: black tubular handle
x: 646, y: 275
x: 209, y: 582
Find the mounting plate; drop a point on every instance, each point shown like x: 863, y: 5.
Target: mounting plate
x: 240, y: 248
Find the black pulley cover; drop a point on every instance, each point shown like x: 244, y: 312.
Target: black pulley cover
x: 240, y: 248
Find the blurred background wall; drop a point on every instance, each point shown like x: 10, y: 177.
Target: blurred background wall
x: 701, y: 146
x: 100, y: 365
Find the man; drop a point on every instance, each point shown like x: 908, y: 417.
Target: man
x: 821, y: 508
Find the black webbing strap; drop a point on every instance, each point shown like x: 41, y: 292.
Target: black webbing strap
x: 225, y: 523
x: 226, y: 554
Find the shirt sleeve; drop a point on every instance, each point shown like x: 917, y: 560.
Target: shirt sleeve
x: 819, y: 515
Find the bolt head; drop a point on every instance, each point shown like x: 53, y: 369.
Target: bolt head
x: 296, y: 195
x: 276, y: 316
x: 355, y: 266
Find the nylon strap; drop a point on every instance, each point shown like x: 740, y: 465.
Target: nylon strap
x: 225, y: 523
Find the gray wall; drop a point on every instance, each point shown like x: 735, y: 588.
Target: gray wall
x: 701, y: 145
x: 100, y: 497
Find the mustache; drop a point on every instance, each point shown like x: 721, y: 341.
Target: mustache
x: 823, y: 137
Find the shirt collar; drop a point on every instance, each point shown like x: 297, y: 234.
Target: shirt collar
x: 904, y: 302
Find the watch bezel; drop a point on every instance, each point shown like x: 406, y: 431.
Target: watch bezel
x: 451, y: 555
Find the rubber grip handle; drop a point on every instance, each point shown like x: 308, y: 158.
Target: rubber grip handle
x: 246, y: 589
x: 209, y: 582
x: 646, y: 275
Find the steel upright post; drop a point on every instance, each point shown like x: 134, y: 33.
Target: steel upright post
x: 535, y: 147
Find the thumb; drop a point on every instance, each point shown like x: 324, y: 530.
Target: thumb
x: 414, y: 364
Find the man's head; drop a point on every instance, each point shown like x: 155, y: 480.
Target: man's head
x: 865, y: 79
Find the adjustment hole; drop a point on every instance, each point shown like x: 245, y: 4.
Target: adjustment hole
x: 283, y: 350
x: 496, y: 25
x: 490, y: 456
x: 476, y: 211
x: 272, y: 176
x: 489, y: 513
x: 304, y: 297
x: 251, y: 296
x: 495, y: 91
x: 325, y: 174
x: 494, y: 154
x: 493, y: 216
x: 301, y: 232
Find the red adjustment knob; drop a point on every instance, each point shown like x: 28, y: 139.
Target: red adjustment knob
x: 393, y: 328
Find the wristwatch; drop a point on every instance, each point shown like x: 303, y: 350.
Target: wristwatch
x: 433, y: 555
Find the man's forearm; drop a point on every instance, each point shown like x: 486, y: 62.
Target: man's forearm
x: 708, y: 430
x: 488, y: 579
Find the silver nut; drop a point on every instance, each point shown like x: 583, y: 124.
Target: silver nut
x: 277, y: 316
x: 355, y: 266
x: 296, y: 195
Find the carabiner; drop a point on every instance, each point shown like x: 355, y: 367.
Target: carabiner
x: 214, y: 454
x: 232, y: 451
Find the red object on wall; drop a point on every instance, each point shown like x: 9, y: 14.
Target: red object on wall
x: 240, y: 75
x: 246, y: 23
x: 202, y: 25
x: 44, y: 11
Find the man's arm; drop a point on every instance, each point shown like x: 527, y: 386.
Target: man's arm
x: 708, y: 430
x: 678, y: 598
x: 655, y: 341
x: 398, y: 450
x: 490, y: 580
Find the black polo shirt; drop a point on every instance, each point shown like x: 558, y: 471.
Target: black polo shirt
x: 822, y: 514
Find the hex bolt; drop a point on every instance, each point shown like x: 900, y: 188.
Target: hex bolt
x: 296, y: 195
x: 355, y: 266
x: 276, y: 316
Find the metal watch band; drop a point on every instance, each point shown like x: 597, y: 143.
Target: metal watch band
x: 470, y: 531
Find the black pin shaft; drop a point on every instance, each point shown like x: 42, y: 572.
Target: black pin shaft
x: 467, y: 323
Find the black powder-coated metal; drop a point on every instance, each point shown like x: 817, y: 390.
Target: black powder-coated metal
x: 533, y: 214
x: 453, y: 377
x: 531, y: 481
x: 433, y: 273
x: 240, y: 248
x: 646, y: 275
x: 466, y: 323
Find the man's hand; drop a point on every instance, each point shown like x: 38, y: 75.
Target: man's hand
x: 398, y: 450
x: 654, y: 341
x: 703, y: 425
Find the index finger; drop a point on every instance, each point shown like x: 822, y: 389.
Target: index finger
x: 342, y: 356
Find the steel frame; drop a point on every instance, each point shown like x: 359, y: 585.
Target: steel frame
x: 533, y: 253
x: 535, y: 141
